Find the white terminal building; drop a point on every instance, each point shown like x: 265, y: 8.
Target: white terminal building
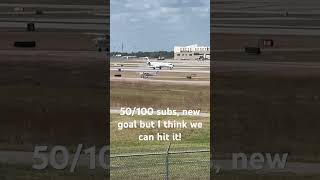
x: 192, y: 52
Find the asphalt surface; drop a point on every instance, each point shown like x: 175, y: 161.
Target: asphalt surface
x: 59, y: 6
x: 131, y: 69
x: 88, y: 54
x: 291, y: 22
x: 55, y: 17
x: 57, y: 26
x: 291, y: 17
x: 289, y: 68
x: 269, y: 5
x: 180, y: 70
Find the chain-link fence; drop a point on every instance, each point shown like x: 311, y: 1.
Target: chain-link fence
x: 167, y: 165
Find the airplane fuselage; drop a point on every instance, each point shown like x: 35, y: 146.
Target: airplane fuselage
x: 160, y: 65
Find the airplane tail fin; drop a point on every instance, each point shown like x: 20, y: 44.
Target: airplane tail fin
x: 148, y: 61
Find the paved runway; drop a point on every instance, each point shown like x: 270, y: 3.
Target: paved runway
x: 94, y: 54
x: 291, y: 17
x: 55, y: 17
x: 271, y: 68
x: 56, y: 26
x: 131, y: 69
x: 53, y: 20
x: 274, y: 19
x: 59, y: 6
x: 272, y: 50
x: 162, y: 70
x: 267, y: 5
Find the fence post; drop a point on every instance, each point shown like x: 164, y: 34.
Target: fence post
x: 167, y: 163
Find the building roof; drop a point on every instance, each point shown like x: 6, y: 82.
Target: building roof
x: 189, y: 48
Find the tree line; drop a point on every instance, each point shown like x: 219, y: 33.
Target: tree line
x: 156, y: 54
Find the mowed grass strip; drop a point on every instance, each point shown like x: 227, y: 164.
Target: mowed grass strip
x: 186, y: 166
x: 181, y: 166
x: 126, y: 140
x: 160, y: 96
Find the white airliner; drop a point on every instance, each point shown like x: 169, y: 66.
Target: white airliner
x: 158, y: 65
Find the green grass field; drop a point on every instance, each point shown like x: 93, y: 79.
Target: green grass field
x: 188, y: 166
x: 181, y: 166
x: 126, y: 141
x: 160, y: 96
